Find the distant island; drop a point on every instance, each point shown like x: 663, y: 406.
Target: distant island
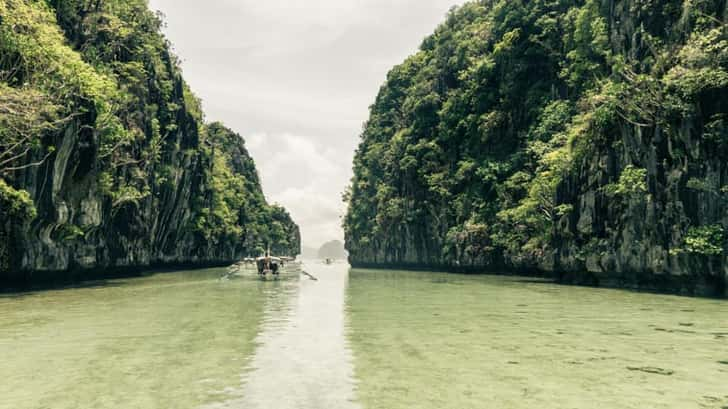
x: 334, y: 250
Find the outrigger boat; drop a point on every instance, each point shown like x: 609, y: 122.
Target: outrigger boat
x: 267, y: 264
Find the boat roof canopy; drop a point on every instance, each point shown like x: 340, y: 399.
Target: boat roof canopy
x: 266, y: 258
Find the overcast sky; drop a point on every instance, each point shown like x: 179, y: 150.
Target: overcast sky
x: 295, y: 78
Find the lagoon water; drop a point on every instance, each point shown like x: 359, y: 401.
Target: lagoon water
x: 359, y: 339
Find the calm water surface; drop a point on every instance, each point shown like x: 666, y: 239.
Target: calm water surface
x: 359, y: 339
x: 446, y: 341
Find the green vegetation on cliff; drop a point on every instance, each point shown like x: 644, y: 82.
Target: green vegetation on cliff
x: 580, y: 136
x: 105, y: 157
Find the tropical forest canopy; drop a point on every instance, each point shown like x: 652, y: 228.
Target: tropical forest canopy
x: 551, y: 134
x: 103, y: 144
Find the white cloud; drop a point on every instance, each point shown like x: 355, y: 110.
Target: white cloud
x: 304, y: 177
x: 296, y: 78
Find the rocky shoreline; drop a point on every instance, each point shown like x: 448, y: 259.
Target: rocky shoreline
x: 685, y: 285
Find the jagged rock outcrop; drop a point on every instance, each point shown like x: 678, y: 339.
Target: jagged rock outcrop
x: 585, y: 140
x: 121, y: 171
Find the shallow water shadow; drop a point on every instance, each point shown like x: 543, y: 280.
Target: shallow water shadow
x: 527, y: 280
x: 13, y: 293
x: 89, y: 278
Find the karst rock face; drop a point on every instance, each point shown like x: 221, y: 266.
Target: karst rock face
x: 586, y: 140
x: 126, y: 174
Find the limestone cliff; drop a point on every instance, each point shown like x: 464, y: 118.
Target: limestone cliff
x: 584, y: 140
x: 106, y: 163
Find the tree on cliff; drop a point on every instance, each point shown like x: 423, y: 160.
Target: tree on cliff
x: 525, y: 133
x: 103, y: 146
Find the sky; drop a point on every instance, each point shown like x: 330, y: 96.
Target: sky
x: 296, y: 78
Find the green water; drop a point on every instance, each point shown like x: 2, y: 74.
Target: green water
x: 166, y: 341
x: 358, y: 339
x: 425, y: 340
